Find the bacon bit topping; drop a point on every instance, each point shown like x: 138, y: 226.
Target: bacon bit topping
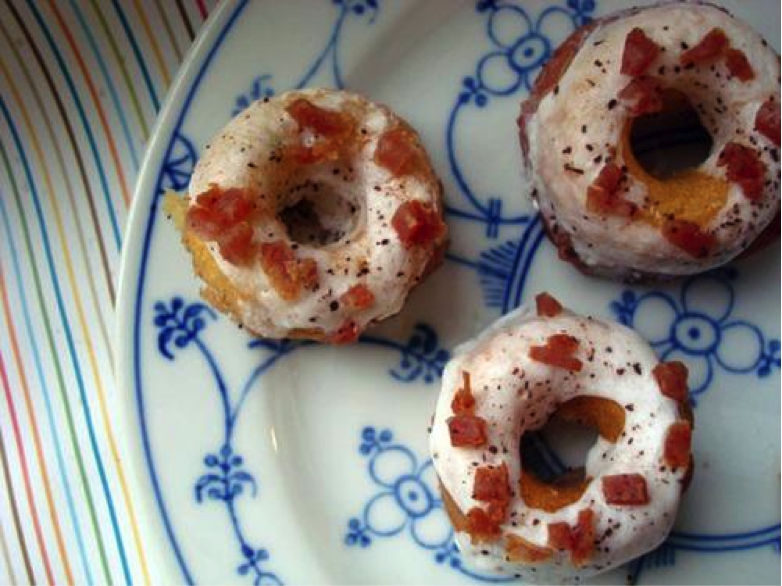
x: 579, y: 540
x: 417, y: 224
x: 521, y: 550
x: 767, y: 121
x: 558, y: 351
x: 331, y: 127
x: 547, y: 306
x: 481, y: 526
x: 308, y: 116
x: 223, y: 215
x: 677, y: 445
x: 709, y: 47
x: 286, y: 273
x: 398, y: 152
x: 346, y: 334
x: 639, y: 52
x: 744, y: 167
x: 689, y: 237
x: 237, y: 246
x: 463, y: 402
x: 738, y: 65
x: 642, y: 96
x: 492, y: 484
x: 625, y: 489
x: 604, y: 196
x: 671, y: 377
x: 467, y: 431
x: 358, y: 297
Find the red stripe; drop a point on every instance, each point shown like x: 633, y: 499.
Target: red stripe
x: 202, y: 10
x: 25, y: 473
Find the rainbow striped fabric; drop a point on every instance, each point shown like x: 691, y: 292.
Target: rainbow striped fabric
x: 81, y: 82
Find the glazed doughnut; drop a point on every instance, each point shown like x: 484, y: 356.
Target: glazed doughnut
x: 512, y: 379
x: 312, y: 215
x: 627, y: 84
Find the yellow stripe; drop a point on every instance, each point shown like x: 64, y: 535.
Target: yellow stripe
x: 82, y: 321
x: 153, y: 40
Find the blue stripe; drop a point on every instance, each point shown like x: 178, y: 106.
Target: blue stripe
x: 112, y: 90
x: 90, y: 137
x: 137, y: 53
x: 69, y: 337
x: 46, y: 393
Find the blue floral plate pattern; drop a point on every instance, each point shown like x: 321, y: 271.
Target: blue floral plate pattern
x: 270, y: 462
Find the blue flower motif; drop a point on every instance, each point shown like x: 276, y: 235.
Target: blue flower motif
x: 422, y: 357
x: 179, y: 323
x: 406, y: 502
x: 407, y: 497
x: 521, y: 45
x: 226, y: 479
x: 698, y: 327
x: 259, y: 89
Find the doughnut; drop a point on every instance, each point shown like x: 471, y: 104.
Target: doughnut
x: 530, y: 366
x: 651, y: 141
x: 312, y: 215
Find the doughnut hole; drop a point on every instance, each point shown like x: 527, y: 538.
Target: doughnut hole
x: 664, y: 152
x: 670, y: 141
x: 316, y: 213
x: 554, y: 472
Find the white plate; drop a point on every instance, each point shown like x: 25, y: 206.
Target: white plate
x: 265, y: 462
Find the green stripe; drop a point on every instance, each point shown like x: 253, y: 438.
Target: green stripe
x: 57, y: 366
x: 123, y: 69
x: 15, y: 514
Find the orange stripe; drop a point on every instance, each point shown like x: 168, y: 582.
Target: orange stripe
x: 34, y: 426
x: 89, y: 345
x: 96, y: 102
x: 26, y: 474
x: 153, y: 41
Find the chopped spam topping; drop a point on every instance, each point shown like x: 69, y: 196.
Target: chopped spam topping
x: 358, y: 297
x: 625, y: 489
x: 398, y: 152
x: 417, y: 224
x: 558, y: 351
x: 287, y: 274
x: 689, y: 237
x: 744, y: 168
x: 767, y: 121
x: 604, y: 196
x: 642, y: 96
x: 671, y: 377
x: 547, y: 306
x: 463, y: 402
x: 709, y: 47
x: 678, y: 440
x: 578, y: 539
x: 639, y: 53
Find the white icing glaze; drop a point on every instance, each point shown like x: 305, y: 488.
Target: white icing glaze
x: 241, y: 156
x: 614, y: 245
x: 514, y: 403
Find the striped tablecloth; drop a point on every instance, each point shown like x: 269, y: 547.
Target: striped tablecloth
x: 81, y: 82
